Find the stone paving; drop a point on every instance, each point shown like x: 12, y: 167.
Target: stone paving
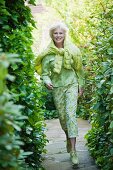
x: 57, y: 158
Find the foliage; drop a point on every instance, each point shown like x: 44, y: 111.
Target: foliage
x: 11, y: 154
x: 50, y: 110
x: 15, y: 37
x: 100, y: 137
x: 51, y: 114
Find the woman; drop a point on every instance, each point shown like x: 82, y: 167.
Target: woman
x: 62, y: 73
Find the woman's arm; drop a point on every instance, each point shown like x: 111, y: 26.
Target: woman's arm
x: 46, y: 73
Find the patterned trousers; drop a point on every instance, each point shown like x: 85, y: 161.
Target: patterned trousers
x: 65, y: 99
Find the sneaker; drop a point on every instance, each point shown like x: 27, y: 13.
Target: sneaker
x: 74, y: 158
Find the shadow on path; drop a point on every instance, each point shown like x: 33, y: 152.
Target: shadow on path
x: 57, y: 158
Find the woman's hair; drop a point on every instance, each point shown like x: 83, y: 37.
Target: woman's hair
x: 58, y: 25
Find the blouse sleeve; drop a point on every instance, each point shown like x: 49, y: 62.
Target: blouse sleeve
x: 46, y: 71
x: 78, y: 66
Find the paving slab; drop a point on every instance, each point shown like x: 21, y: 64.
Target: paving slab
x: 57, y: 157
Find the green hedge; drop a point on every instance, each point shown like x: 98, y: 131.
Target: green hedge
x: 100, y: 137
x: 16, y: 24
x: 11, y: 120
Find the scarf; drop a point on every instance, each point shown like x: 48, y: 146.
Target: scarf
x: 67, y: 53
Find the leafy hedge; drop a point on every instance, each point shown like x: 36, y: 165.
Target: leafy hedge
x: 100, y: 137
x: 16, y: 24
x: 11, y: 154
x: 50, y: 111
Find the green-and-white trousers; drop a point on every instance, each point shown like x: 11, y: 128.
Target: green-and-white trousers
x: 65, y: 99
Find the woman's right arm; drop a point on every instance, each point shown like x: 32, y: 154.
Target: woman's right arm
x: 46, y: 73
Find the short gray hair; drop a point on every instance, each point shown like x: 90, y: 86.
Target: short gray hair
x: 58, y: 25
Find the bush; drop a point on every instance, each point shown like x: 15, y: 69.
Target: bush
x: 15, y: 37
x: 100, y: 137
x: 11, y: 154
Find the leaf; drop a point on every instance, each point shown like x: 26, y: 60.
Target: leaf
x: 8, y: 147
x: 96, y: 106
x: 6, y: 27
x: 32, y: 2
x: 16, y: 127
x: 111, y: 90
x: 100, y: 83
x: 14, y: 66
x: 111, y: 125
x: 27, y: 153
x: 10, y: 77
x: 111, y: 151
x: 110, y: 51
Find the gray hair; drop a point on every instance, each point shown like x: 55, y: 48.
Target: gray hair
x: 58, y: 25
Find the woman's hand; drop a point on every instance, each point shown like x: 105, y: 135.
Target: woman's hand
x: 81, y: 91
x: 49, y: 86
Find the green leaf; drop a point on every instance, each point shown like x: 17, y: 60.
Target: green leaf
x: 16, y: 127
x: 14, y: 66
x: 111, y: 90
x: 110, y: 51
x: 10, y: 77
x: 111, y: 151
x: 111, y: 125
x: 6, y: 27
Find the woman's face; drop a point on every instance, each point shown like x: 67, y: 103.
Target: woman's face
x: 58, y: 36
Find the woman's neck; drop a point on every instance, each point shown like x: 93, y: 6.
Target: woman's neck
x: 59, y: 45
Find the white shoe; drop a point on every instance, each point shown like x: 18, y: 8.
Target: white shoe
x: 74, y: 158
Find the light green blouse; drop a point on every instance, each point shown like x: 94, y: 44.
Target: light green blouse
x: 64, y: 78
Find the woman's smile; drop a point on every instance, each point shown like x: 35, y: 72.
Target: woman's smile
x: 58, y: 35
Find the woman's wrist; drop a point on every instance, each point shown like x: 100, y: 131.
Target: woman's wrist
x: 49, y: 86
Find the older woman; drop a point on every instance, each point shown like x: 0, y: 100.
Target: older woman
x: 62, y: 73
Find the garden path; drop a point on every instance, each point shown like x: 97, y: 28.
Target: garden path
x: 56, y: 157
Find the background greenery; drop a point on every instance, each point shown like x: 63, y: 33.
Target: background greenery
x: 11, y: 153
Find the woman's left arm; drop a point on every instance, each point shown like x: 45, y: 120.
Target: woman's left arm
x: 46, y: 73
